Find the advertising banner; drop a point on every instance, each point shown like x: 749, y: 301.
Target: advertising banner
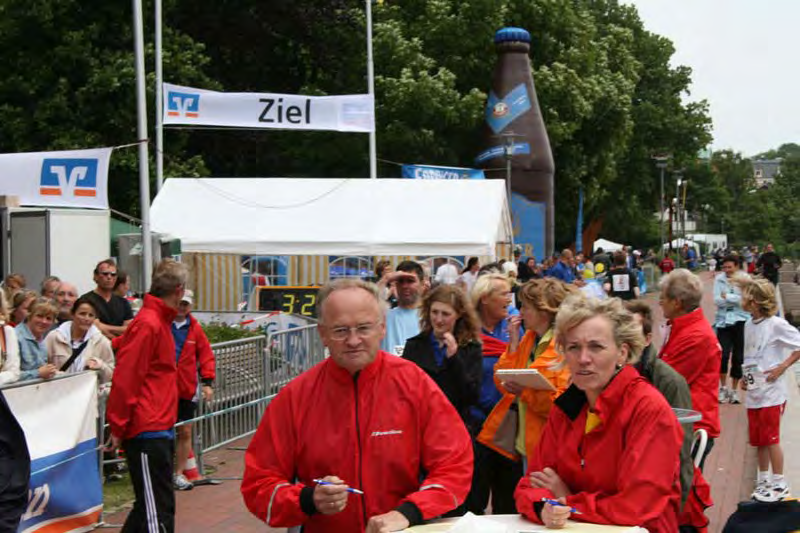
x: 186, y: 106
x: 429, y: 172
x: 77, y: 178
x: 59, y: 418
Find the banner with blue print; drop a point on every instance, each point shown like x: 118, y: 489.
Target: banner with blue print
x: 59, y: 418
x: 75, y: 178
x: 500, y: 151
x: 500, y: 112
x: 529, y: 225
x: 430, y: 172
x: 187, y: 106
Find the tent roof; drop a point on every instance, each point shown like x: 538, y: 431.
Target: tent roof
x: 606, y: 245
x: 311, y: 216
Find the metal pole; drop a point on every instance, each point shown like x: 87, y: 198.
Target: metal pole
x: 373, y: 145
x: 509, y: 153
x: 661, y: 204
x: 144, y: 168
x: 159, y: 102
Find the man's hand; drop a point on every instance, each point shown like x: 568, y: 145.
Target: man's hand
x: 330, y: 499
x: 555, y: 516
x: 208, y: 392
x: 450, y: 344
x: 548, y: 479
x: 384, y: 523
x: 113, y: 443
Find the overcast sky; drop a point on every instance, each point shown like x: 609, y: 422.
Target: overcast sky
x: 744, y: 60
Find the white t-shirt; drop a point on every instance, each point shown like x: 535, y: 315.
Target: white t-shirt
x: 468, y: 278
x: 767, y: 344
x: 447, y: 274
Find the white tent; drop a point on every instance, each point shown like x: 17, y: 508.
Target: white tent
x: 678, y: 243
x: 310, y: 216
x: 607, y: 246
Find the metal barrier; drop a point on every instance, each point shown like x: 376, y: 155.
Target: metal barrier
x: 250, y: 372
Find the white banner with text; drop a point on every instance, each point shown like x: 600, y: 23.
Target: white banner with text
x: 185, y: 106
x: 76, y: 178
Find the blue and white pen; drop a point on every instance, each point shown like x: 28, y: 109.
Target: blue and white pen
x: 349, y: 489
x: 559, y: 504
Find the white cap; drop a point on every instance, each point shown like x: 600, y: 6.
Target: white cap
x: 188, y: 297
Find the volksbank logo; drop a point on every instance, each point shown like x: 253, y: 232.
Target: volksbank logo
x: 183, y: 104
x: 69, y: 177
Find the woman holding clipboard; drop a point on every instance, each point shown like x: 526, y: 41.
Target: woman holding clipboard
x: 515, y: 424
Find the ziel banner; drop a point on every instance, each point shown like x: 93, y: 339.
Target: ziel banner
x: 77, y: 178
x: 186, y: 106
x: 59, y: 418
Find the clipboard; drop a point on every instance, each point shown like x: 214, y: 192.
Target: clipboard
x: 526, y: 377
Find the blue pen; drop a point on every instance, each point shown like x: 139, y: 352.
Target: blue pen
x: 349, y: 489
x: 559, y: 504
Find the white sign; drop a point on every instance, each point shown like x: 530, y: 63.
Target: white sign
x: 186, y: 106
x: 77, y: 178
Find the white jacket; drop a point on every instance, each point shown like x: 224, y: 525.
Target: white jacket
x: 59, y: 349
x: 9, y: 371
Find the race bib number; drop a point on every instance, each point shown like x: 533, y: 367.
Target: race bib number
x: 754, y: 377
x: 621, y: 282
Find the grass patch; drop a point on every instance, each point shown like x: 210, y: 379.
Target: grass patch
x: 117, y: 494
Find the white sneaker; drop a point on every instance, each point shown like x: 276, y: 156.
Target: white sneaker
x: 763, y: 492
x: 723, y: 395
x: 733, y: 397
x: 780, y: 492
x: 180, y: 482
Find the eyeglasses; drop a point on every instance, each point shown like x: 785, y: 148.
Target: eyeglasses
x: 109, y: 274
x: 362, y: 331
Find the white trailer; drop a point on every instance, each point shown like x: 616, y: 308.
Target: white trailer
x: 43, y: 242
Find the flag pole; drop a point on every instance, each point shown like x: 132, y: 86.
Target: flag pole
x: 373, y: 145
x: 159, y: 101
x: 144, y: 169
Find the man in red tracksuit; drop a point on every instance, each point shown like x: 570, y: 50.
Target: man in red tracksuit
x: 193, y: 353
x: 692, y: 347
x: 362, y: 419
x: 142, y: 405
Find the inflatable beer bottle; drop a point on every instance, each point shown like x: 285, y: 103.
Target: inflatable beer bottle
x: 514, y: 126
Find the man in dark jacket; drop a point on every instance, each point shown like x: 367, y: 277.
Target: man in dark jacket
x: 669, y: 383
x: 769, y: 264
x: 15, y: 469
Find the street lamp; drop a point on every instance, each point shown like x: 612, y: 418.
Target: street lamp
x: 678, y: 211
x: 661, y: 164
x: 508, y: 152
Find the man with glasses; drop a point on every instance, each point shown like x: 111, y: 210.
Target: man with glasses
x: 362, y: 419
x: 114, y: 313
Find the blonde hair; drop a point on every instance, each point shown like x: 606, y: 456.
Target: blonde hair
x: 683, y: 286
x: 546, y: 294
x: 758, y: 293
x: 577, y: 309
x: 43, y: 307
x: 484, y: 286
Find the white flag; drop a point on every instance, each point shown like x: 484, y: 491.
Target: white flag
x: 77, y: 178
x: 197, y: 107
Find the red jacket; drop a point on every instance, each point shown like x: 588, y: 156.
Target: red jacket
x: 693, y: 350
x: 623, y: 472
x: 196, y: 355
x: 380, y: 432
x: 144, y: 394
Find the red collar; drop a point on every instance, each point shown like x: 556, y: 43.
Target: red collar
x: 165, y: 312
x: 687, y: 319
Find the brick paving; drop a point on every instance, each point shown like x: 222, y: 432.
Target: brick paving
x: 729, y: 469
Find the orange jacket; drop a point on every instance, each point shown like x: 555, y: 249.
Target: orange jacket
x: 496, y: 434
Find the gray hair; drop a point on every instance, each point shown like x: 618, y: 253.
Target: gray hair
x: 683, y: 286
x: 340, y: 284
x: 168, y: 276
x: 578, y: 308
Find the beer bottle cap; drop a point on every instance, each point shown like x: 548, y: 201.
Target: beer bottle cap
x: 506, y: 35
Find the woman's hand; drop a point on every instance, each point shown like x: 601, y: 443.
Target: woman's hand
x: 94, y: 364
x: 514, y: 323
x: 548, y: 479
x: 512, y: 388
x: 450, y: 344
x: 775, y: 373
x: 555, y: 516
x: 47, y: 371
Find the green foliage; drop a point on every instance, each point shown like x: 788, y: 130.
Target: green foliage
x: 610, y: 98
x: 217, y: 332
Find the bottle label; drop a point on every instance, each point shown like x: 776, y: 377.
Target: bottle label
x: 502, y: 112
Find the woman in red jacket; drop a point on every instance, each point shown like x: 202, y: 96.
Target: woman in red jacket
x: 611, y: 447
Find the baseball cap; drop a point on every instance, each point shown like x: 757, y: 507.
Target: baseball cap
x: 188, y: 297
